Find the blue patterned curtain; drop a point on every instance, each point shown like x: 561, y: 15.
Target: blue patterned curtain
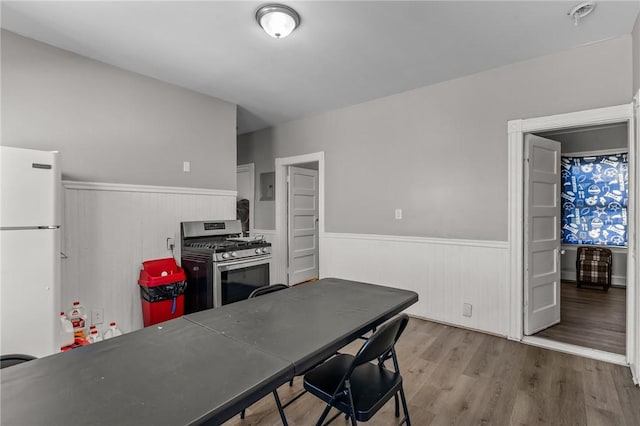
x: 594, y: 200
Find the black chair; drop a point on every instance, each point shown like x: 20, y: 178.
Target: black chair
x: 267, y: 289
x: 357, y: 387
x: 13, y: 359
x: 260, y: 291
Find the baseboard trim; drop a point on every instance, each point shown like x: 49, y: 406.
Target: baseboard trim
x: 122, y: 187
x: 462, y: 327
x: 634, y: 376
x: 616, y: 280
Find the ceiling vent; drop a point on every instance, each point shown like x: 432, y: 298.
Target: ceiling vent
x: 581, y: 10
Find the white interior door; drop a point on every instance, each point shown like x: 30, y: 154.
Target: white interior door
x: 302, y: 224
x: 541, y: 234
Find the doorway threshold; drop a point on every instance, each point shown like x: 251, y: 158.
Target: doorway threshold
x: 596, y: 354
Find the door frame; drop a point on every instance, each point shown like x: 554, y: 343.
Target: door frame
x: 281, y: 254
x: 251, y: 169
x: 516, y: 131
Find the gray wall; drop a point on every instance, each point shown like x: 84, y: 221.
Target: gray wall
x: 311, y: 166
x: 636, y: 56
x: 112, y: 125
x: 594, y: 139
x: 439, y: 152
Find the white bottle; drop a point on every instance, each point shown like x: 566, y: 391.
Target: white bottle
x: 65, y: 335
x: 78, y: 317
x: 113, y: 331
x: 93, y: 327
x: 66, y: 324
x: 95, y: 336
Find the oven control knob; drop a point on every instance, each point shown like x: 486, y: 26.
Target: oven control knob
x: 258, y: 251
x: 265, y: 250
x: 234, y: 254
x: 225, y: 255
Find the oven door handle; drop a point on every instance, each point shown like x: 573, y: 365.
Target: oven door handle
x: 243, y: 263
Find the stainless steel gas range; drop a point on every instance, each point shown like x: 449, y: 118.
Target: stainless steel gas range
x: 221, y: 266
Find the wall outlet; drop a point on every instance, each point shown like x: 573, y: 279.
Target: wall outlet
x: 398, y: 214
x: 97, y: 316
x: 170, y: 243
x: 466, y: 309
x: 186, y: 166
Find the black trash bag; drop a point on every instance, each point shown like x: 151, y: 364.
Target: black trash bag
x: 163, y: 292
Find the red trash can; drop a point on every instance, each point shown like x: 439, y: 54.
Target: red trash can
x: 162, y: 283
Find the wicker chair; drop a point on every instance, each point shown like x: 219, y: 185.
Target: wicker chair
x: 593, y: 266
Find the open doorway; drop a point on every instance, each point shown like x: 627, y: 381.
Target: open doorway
x: 517, y: 130
x: 299, y: 217
x: 594, y: 198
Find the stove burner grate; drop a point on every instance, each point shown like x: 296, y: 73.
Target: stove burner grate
x: 226, y: 245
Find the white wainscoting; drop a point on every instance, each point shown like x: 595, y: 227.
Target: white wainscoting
x: 109, y: 229
x: 445, y: 274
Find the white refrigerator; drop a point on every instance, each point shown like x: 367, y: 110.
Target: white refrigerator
x: 29, y: 252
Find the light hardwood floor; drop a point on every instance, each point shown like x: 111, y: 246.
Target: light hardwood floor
x: 462, y: 377
x: 592, y: 318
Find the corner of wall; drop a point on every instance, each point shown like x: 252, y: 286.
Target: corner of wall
x: 635, y: 47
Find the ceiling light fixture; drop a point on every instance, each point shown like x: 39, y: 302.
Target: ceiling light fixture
x: 581, y: 10
x: 277, y: 20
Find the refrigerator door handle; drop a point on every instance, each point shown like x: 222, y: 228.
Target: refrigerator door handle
x: 26, y: 228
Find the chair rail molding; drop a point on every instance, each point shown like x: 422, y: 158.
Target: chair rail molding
x: 122, y: 187
x: 420, y: 240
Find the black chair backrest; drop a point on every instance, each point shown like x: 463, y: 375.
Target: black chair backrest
x: 13, y: 359
x: 382, y: 341
x: 267, y: 289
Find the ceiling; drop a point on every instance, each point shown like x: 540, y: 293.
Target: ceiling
x: 342, y: 54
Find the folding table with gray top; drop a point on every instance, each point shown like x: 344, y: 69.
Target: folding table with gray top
x: 199, y: 369
x: 306, y: 324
